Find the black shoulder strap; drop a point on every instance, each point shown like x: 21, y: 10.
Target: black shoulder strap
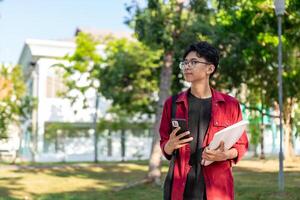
x: 169, y: 178
x: 173, y: 114
x: 174, y: 107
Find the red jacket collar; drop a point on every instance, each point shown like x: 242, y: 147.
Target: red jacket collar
x: 216, y: 96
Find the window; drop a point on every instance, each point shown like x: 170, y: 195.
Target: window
x: 54, y: 85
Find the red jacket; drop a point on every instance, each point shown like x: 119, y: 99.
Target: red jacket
x: 218, y: 175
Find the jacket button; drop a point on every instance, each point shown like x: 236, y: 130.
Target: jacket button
x: 217, y: 123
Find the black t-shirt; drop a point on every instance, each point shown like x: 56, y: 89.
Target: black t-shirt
x: 199, y: 118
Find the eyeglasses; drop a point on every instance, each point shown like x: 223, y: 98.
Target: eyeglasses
x: 191, y: 64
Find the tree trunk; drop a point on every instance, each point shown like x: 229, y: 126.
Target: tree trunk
x: 262, y: 125
x: 288, y: 141
x: 262, y: 147
x: 56, y: 142
x: 154, y: 173
x: 95, y: 117
x: 109, y: 144
x: 64, y: 137
x: 255, y: 155
x: 123, y: 144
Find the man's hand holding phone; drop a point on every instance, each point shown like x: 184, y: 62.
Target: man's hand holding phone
x: 175, y: 141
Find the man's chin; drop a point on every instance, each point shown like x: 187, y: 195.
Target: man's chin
x: 189, y: 80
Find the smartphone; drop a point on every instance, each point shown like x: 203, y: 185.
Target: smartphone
x: 183, y: 127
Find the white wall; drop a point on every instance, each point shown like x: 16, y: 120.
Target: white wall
x: 82, y: 149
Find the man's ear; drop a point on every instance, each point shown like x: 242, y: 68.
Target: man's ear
x: 210, y: 69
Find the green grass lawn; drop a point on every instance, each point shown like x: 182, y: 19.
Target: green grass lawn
x: 254, y: 180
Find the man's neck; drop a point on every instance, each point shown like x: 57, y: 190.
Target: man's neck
x: 201, y: 90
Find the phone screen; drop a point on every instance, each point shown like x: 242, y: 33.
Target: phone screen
x: 183, y: 127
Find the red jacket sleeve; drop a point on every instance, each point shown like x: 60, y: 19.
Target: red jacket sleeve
x: 242, y: 144
x: 165, y: 127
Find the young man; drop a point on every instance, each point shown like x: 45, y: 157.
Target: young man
x: 206, y: 111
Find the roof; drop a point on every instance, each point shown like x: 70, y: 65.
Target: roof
x: 34, y: 49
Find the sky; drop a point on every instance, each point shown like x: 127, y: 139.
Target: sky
x: 54, y: 19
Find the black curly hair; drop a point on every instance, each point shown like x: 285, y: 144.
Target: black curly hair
x: 204, y: 50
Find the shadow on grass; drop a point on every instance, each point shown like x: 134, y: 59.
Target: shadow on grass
x: 8, y: 185
x: 105, y: 175
x: 145, y: 192
x: 250, y: 183
x: 120, y: 172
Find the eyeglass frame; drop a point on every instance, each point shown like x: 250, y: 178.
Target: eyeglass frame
x: 182, y: 64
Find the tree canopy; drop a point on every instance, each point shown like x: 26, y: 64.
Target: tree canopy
x: 15, y: 105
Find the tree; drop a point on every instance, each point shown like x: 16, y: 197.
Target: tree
x: 128, y: 77
x: 80, y: 76
x: 15, y: 106
x: 125, y: 75
x: 247, y: 35
x: 168, y: 26
x: 12, y: 91
x: 81, y: 71
x: 291, y: 73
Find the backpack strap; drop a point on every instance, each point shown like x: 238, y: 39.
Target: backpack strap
x: 174, y: 106
x: 173, y: 115
x: 169, y: 178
